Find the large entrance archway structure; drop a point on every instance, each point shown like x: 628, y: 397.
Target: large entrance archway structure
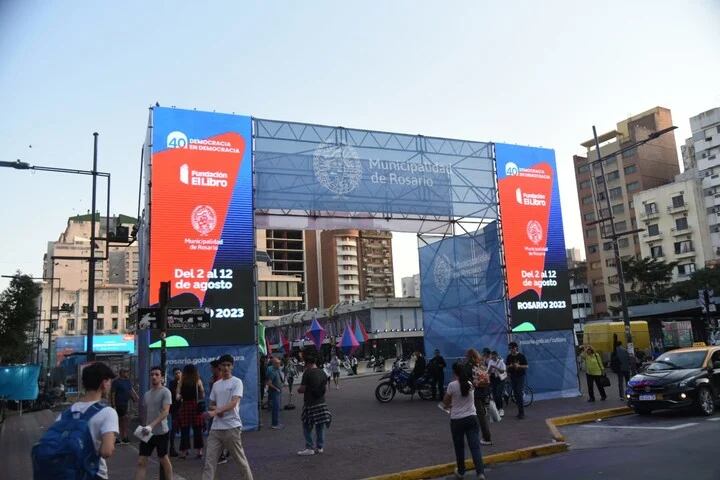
x: 212, y: 178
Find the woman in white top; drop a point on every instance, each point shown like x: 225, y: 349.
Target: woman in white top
x: 460, y: 400
x: 498, y: 377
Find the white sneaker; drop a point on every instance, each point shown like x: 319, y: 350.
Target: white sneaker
x: 485, y: 442
x: 501, y: 412
x: 277, y: 427
x: 319, y: 450
x: 306, y: 452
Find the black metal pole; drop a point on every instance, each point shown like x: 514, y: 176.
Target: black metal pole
x: 618, y: 263
x: 708, y: 321
x: 163, y: 299
x: 91, y: 261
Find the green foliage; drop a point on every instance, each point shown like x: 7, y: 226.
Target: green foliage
x: 700, y: 279
x: 649, y: 280
x: 18, y: 314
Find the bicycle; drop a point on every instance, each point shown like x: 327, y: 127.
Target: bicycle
x: 509, y: 397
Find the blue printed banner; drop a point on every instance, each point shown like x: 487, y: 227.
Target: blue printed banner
x: 552, y: 371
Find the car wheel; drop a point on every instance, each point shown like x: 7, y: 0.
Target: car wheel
x: 642, y: 410
x: 704, y: 402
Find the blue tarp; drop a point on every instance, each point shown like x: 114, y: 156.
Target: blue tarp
x: 552, y: 371
x: 19, y: 382
x: 245, y: 368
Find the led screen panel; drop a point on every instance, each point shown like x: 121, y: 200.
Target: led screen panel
x: 201, y: 223
x: 534, y: 244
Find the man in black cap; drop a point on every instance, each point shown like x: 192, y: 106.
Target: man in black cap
x: 436, y: 368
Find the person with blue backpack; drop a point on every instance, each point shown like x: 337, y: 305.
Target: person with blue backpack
x: 76, y: 446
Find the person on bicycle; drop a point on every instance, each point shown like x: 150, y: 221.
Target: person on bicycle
x: 517, y: 366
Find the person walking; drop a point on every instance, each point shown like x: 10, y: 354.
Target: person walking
x: 594, y: 370
x: 335, y: 370
x: 216, y: 375
x: 190, y: 393
x: 102, y: 423
x: 477, y: 372
x: 620, y: 364
x: 459, y: 399
x: 291, y: 372
x: 498, y: 377
x: 121, y: 393
x: 263, y: 380
x: 157, y: 403
x: 174, y: 410
x: 274, y: 386
x: 436, y: 368
x: 353, y: 364
x: 315, y: 412
x: 517, y: 366
x: 226, y: 430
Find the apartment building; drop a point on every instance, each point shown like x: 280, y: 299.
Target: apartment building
x: 675, y: 225
x: 646, y: 166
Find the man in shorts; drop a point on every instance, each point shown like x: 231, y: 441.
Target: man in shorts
x: 157, y: 403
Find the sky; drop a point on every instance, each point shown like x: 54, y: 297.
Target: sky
x: 524, y: 72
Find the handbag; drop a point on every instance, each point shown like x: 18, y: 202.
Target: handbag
x: 603, y: 381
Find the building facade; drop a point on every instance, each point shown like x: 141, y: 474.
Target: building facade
x: 702, y: 152
x: 65, y: 300
x: 280, y: 273
x: 647, y: 166
x: 411, y: 286
x: 676, y: 229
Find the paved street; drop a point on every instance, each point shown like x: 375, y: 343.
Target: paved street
x: 664, y: 446
x: 366, y: 438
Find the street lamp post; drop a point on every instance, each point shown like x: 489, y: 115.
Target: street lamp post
x: 19, y: 165
x: 613, y: 233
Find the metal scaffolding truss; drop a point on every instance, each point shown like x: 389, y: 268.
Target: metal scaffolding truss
x: 289, y: 193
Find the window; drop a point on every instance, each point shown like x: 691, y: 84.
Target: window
x: 599, y: 298
x: 619, y: 208
x: 621, y: 226
x: 71, y: 324
x: 114, y: 323
x: 684, y: 246
x: 127, y: 308
x: 583, y: 168
x: 633, y: 186
x: 84, y: 324
x: 599, y: 180
x: 656, y: 251
x: 610, y: 161
x: 678, y: 201
x: 589, y: 217
x: 615, y: 297
x: 99, y: 324
x: 282, y: 289
x: 653, y: 230
x: 114, y: 309
x: 85, y: 309
x: 607, y: 246
x: 630, y: 169
x: 616, y: 192
x: 681, y: 223
x: 587, y: 200
x: 100, y: 310
x: 686, y: 269
x: 614, y: 175
x: 623, y: 243
x: 594, y: 265
x: 651, y: 208
x: 610, y: 262
x: 629, y: 153
x: 631, y: 204
x: 592, y: 249
x: 585, y: 184
x: 590, y: 232
x: 613, y: 280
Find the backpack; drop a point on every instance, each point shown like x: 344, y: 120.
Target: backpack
x: 480, y: 377
x: 67, y: 450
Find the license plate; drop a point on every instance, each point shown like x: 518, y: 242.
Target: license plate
x: 647, y: 397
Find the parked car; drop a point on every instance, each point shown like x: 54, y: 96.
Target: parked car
x: 683, y: 378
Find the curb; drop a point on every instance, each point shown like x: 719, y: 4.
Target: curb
x: 584, y: 417
x: 558, y: 446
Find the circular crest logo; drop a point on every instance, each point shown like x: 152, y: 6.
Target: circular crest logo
x: 511, y: 168
x: 442, y: 272
x: 534, y: 231
x: 337, y: 168
x: 204, y: 219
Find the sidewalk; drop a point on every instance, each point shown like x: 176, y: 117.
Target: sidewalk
x: 366, y: 438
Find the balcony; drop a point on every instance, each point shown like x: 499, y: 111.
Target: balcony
x: 678, y: 208
x: 676, y: 232
x: 651, y: 237
x: 685, y: 253
x: 647, y: 216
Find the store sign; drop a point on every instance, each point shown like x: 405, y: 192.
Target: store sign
x: 202, y: 233
x: 536, y: 266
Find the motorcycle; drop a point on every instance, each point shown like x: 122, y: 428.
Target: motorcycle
x: 398, y: 380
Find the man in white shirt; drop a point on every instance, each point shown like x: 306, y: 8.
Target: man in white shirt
x: 97, y: 380
x: 226, y: 426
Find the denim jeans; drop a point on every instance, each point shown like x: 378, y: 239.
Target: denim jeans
x: 518, y: 385
x: 319, y: 435
x: 497, y: 386
x: 274, y: 398
x: 467, y: 427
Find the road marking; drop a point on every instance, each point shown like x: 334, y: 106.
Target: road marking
x: 716, y: 419
x: 675, y: 427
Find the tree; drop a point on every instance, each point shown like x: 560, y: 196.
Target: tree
x: 649, y: 280
x: 18, y: 314
x: 700, y: 279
